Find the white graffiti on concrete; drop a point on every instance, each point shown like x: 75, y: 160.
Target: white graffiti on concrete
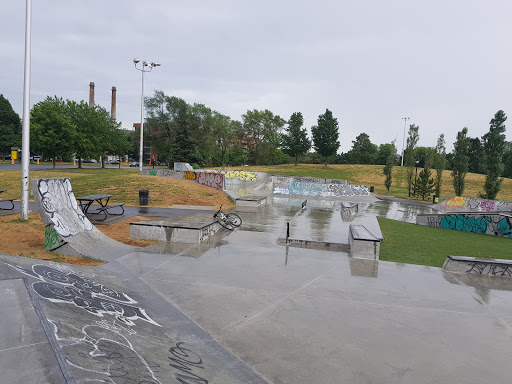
x: 103, y: 354
x: 210, y: 179
x: 61, y: 208
x: 84, y: 293
x: 324, y: 190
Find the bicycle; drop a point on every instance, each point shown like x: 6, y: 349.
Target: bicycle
x: 228, y: 220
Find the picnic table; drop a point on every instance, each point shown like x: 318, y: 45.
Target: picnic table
x: 8, y: 200
x: 86, y: 202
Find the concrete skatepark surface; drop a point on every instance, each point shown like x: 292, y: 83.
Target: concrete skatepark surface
x: 242, y: 309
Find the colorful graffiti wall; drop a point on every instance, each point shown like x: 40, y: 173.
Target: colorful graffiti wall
x: 288, y: 187
x: 494, y: 224
x: 471, y: 204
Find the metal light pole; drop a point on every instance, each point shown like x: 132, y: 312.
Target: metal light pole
x: 149, y: 67
x: 405, y: 119
x: 25, y: 138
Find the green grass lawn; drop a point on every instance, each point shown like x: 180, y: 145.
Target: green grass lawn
x: 417, y: 244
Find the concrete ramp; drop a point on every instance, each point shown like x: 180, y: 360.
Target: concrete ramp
x: 67, y: 230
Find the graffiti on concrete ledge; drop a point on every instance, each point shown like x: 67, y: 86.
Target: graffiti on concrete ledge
x: 490, y: 224
x: 61, y: 208
x: 84, y: 293
x: 209, y: 179
x: 239, y: 175
x: 189, y: 175
x: 490, y: 269
x: 324, y: 190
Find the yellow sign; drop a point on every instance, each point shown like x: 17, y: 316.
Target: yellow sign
x: 14, y: 155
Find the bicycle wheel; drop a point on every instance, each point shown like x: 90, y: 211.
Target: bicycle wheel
x: 235, y: 219
x: 226, y: 224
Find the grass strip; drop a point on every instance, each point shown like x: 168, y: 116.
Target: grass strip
x: 415, y: 244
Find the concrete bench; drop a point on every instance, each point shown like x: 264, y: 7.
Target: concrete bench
x: 478, y: 266
x: 250, y: 203
x: 363, y: 244
x: 11, y: 201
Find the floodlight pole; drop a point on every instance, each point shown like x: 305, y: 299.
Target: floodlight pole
x: 25, y: 141
x: 150, y: 67
x: 403, y: 142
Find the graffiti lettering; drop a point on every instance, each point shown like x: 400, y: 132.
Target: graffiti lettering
x: 213, y: 180
x: 84, y: 293
x: 61, y: 208
x: 456, y: 201
x: 239, y: 175
x: 152, y: 173
x: 184, y: 360
x: 491, y: 224
x: 490, y: 269
x: 51, y: 239
x: 463, y: 223
x: 324, y: 190
x: 189, y: 175
x: 104, y: 353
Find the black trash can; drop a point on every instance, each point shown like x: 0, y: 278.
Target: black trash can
x: 143, y: 197
x: 372, y: 189
x: 435, y: 199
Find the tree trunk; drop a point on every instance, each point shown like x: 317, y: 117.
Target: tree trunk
x: 53, y: 160
x: 79, y: 162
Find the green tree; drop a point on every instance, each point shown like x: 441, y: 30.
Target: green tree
x: 52, y: 130
x: 10, y: 127
x: 476, y: 155
x: 507, y: 160
x: 325, y: 135
x: 494, y: 148
x: 265, y: 129
x: 439, y: 162
x: 460, y: 163
x: 425, y: 185
x: 295, y: 141
x: 363, y: 150
x: 388, y: 168
x: 383, y: 153
x: 410, y: 153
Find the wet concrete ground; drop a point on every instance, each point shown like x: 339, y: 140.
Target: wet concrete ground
x: 249, y: 310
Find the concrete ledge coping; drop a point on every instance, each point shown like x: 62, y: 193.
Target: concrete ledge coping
x: 251, y: 198
x: 163, y: 225
x: 359, y: 232
x: 478, y: 266
x: 480, y: 260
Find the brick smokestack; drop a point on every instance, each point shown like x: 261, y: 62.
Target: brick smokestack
x: 91, y: 95
x: 113, y: 106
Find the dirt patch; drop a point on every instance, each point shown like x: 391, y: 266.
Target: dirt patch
x: 26, y: 238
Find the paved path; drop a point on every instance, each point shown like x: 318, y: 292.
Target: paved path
x: 242, y: 309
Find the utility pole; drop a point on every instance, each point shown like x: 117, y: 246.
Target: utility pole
x: 405, y: 119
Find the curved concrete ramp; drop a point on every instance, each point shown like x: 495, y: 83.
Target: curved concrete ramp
x: 67, y: 230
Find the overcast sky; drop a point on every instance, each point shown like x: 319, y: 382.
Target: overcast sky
x: 445, y: 64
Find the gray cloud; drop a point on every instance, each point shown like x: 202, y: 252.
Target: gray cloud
x: 443, y: 64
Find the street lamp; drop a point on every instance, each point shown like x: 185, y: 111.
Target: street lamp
x: 403, y: 142
x: 145, y: 67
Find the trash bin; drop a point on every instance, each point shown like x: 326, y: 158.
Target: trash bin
x: 143, y: 197
x: 372, y: 189
x: 435, y: 199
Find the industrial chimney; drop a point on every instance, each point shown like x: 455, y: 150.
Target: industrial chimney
x: 91, y: 95
x: 113, y: 107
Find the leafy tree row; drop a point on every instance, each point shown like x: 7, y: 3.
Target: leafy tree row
x: 62, y: 128
x: 194, y: 133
